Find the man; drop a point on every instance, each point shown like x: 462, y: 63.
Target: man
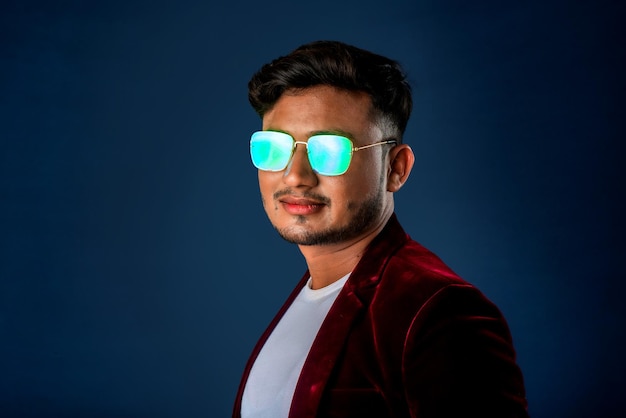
x: 378, y: 326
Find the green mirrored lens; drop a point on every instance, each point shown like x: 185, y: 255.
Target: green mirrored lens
x: 329, y: 155
x: 271, y: 150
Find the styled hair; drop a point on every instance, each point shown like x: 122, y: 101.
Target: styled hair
x: 342, y: 66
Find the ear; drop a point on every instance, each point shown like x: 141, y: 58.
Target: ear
x: 401, y: 160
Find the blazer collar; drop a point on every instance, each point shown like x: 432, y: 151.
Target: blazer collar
x: 353, y: 298
x: 368, y: 271
x: 351, y: 301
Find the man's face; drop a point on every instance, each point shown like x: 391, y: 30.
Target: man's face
x: 310, y: 209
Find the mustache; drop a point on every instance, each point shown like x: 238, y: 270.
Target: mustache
x: 306, y: 195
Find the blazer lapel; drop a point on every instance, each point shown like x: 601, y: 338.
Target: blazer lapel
x: 323, y: 355
x: 353, y: 300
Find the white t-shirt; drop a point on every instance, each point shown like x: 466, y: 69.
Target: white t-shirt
x: 273, y: 377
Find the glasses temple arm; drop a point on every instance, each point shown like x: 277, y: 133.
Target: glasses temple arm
x: 392, y: 141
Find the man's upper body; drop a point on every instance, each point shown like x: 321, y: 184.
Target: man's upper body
x: 404, y: 336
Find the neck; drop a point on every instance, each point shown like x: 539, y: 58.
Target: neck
x: 329, y: 263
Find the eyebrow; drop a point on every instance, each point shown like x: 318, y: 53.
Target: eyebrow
x: 339, y: 132
x: 332, y: 132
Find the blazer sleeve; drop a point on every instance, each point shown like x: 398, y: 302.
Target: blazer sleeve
x: 458, y: 359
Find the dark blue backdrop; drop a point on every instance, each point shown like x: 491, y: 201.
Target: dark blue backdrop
x: 137, y: 268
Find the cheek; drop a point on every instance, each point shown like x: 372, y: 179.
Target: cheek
x: 264, y: 181
x: 266, y: 188
x: 355, y: 188
x: 365, y: 177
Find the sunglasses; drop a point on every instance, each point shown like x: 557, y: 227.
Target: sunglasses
x: 329, y: 155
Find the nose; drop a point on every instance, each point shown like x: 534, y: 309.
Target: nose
x: 299, y: 171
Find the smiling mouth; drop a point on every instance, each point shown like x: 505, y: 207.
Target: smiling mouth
x: 301, y: 206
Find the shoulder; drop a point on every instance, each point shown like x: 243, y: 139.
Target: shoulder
x: 416, y: 286
x: 416, y: 273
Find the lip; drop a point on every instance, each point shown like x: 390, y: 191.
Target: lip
x: 300, y: 206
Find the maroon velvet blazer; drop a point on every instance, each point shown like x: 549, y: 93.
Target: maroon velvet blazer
x: 406, y: 337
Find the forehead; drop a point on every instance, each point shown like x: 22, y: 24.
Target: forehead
x: 321, y: 108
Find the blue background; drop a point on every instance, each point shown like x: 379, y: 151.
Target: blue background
x: 137, y: 268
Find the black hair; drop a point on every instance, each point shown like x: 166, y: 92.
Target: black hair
x: 342, y: 66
